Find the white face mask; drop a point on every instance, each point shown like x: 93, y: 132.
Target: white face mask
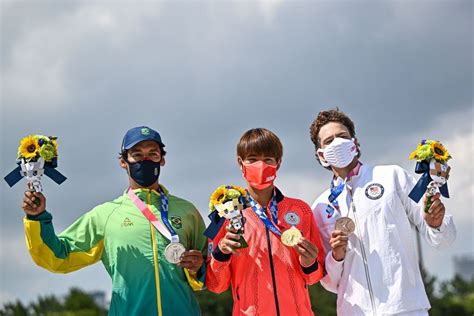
x: 339, y: 153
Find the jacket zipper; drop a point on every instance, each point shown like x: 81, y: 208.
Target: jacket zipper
x: 275, y: 295
x: 364, y: 256
x: 155, y: 261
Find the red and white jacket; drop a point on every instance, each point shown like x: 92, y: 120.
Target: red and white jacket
x: 267, y: 277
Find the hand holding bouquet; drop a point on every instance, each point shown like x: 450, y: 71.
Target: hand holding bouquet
x: 432, y: 160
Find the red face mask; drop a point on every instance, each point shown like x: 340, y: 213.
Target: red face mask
x: 259, y: 174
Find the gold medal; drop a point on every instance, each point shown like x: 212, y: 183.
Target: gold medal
x: 291, y: 237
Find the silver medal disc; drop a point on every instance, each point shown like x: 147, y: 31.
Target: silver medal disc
x: 345, y: 224
x: 173, y: 252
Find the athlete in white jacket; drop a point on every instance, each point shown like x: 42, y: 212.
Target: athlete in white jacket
x: 374, y: 270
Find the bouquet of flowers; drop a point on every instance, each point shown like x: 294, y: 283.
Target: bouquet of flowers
x: 229, y: 201
x: 37, y: 155
x: 432, y: 160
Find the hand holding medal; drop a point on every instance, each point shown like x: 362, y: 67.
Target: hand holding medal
x: 345, y: 224
x: 306, y: 250
x: 291, y: 237
x: 338, y: 242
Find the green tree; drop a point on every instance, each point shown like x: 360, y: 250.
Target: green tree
x: 14, y: 309
x: 79, y: 301
x: 46, y: 305
x: 215, y: 304
x: 323, y: 302
x: 75, y: 303
x: 455, y: 297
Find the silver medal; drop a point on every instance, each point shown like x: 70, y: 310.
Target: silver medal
x: 345, y: 224
x: 173, y: 252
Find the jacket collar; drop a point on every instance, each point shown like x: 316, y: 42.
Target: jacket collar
x: 278, y: 195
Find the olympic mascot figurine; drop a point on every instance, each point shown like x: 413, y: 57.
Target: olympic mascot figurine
x: 37, y: 155
x: 227, y: 202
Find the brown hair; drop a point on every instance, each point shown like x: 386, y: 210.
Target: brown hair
x: 259, y: 141
x: 325, y: 117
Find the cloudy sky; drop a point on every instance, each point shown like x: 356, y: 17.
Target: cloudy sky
x: 204, y: 72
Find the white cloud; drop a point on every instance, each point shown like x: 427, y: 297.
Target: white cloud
x: 269, y: 10
x: 6, y: 297
x: 38, y: 71
x: 455, y: 132
x: 303, y: 186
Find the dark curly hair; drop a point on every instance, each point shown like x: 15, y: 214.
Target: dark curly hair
x: 325, y: 117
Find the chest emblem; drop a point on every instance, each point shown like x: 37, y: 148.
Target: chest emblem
x: 291, y: 218
x: 374, y: 191
x: 126, y: 222
x: 176, y: 222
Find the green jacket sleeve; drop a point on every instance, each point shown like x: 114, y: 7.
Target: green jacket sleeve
x: 80, y: 245
x: 199, y: 242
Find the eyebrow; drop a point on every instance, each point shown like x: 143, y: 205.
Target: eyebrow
x: 133, y: 151
x: 337, y: 135
x: 137, y: 149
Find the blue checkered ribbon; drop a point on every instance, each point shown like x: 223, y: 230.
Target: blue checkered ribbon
x: 335, y: 192
x: 263, y: 216
x: 164, y: 215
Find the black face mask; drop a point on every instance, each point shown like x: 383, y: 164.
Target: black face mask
x: 145, y: 172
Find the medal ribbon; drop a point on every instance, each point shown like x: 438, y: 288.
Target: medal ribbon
x: 263, y: 217
x: 167, y: 232
x: 335, y: 192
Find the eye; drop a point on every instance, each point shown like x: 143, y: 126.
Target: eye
x: 155, y: 156
x: 328, y: 141
x: 344, y: 135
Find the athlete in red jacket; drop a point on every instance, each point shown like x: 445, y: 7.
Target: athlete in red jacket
x: 267, y: 277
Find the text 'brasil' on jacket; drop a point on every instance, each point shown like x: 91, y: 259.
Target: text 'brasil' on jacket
x: 131, y: 249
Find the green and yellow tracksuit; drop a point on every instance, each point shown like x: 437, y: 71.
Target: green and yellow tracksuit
x: 131, y: 249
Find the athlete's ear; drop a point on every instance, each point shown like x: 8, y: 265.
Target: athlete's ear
x: 240, y: 162
x: 278, y: 164
x: 123, y: 163
x: 162, y: 161
x: 356, y: 142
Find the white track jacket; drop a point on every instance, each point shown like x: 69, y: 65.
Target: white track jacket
x: 379, y: 274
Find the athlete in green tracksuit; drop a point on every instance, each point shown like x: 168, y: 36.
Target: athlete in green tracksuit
x: 129, y: 246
